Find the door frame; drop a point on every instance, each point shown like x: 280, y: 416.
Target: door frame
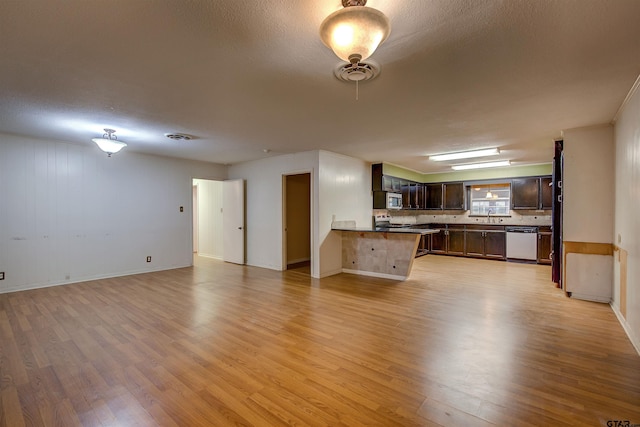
x: 314, y: 259
x: 239, y: 223
x: 195, y: 219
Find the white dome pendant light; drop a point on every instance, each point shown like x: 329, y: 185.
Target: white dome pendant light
x: 355, y: 32
x: 109, y: 142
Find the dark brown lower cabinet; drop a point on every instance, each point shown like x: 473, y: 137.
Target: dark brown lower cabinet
x: 424, y: 247
x: 544, y: 248
x: 438, y: 242
x: 495, y: 244
x: 475, y: 243
x: 485, y: 244
x: 455, y: 240
x: 481, y: 241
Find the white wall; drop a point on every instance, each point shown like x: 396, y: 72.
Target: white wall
x: 588, y: 184
x: 627, y: 205
x: 264, y: 205
x: 209, y: 218
x: 588, y: 211
x: 344, y: 194
x: 69, y: 213
x: 341, y: 187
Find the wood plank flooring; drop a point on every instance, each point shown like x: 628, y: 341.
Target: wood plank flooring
x: 463, y: 342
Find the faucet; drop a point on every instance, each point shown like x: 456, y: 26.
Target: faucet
x: 489, y: 212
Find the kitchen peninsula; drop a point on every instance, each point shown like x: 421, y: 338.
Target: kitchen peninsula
x: 385, y: 252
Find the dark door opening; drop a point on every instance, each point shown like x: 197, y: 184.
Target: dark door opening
x: 297, y: 223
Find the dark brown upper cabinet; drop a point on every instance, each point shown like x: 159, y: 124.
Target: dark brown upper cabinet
x: 546, y: 193
x: 453, y: 196
x: 406, y: 195
x: 433, y: 196
x: 378, y: 181
x: 388, y: 183
x: 524, y: 193
x: 421, y: 202
x: 531, y: 193
x: 440, y: 196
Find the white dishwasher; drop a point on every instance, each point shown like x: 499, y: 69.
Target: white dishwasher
x: 522, y: 243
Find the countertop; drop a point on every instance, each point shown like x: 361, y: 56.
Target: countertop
x: 404, y: 230
x: 468, y: 224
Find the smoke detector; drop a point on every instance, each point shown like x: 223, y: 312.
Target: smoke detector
x: 178, y: 136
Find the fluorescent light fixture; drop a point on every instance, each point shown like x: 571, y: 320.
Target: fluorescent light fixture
x: 465, y: 154
x: 481, y: 165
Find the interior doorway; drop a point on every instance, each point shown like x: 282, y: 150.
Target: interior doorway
x: 297, y: 222
x: 195, y: 218
x: 207, y: 219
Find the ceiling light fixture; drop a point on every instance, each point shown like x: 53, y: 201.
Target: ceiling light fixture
x: 355, y: 32
x: 109, y: 142
x: 465, y: 154
x: 481, y: 165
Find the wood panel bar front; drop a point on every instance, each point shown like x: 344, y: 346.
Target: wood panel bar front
x: 380, y: 253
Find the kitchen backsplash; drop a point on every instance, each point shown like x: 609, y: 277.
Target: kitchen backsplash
x: 458, y: 217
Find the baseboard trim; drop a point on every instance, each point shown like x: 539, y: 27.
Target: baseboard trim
x: 298, y: 260
x: 89, y: 279
x: 635, y: 342
x: 324, y: 274
x: 374, y: 274
x: 210, y: 256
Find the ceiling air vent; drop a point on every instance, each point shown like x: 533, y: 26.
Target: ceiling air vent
x: 178, y: 136
x: 360, y: 71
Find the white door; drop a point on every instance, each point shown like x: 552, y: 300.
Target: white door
x: 233, y: 236
x: 195, y: 219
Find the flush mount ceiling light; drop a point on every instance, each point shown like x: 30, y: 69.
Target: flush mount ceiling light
x: 481, y: 165
x: 465, y: 154
x: 355, y: 32
x: 109, y: 142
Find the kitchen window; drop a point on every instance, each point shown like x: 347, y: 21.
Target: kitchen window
x: 490, y: 199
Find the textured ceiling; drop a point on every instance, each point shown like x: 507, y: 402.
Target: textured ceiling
x: 247, y: 76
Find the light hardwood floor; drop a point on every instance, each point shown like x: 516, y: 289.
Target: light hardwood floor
x: 462, y: 342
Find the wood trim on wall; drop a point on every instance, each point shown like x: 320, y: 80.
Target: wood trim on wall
x: 588, y: 248
x: 622, y: 259
x: 585, y: 248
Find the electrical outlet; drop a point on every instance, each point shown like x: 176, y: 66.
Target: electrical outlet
x: 1, y: 275
x: 181, y: 208
x: 148, y: 259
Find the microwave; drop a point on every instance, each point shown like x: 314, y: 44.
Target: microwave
x: 394, y: 201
